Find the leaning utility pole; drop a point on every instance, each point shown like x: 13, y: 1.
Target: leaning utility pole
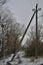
x: 25, y: 31
x: 35, y: 12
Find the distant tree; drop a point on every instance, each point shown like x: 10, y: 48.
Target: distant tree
x: 30, y: 51
x: 12, y: 30
x: 13, y: 36
x: 7, y: 20
x: 12, y: 44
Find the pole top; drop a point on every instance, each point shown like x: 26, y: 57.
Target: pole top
x: 36, y: 4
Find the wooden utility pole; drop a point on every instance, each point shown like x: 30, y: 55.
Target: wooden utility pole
x: 36, y: 9
x: 36, y: 30
x: 2, y: 38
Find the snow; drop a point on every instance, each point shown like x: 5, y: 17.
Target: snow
x: 20, y: 53
x: 25, y: 61
x: 5, y: 60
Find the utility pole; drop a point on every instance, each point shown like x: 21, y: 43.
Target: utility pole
x: 37, y: 9
x: 36, y: 30
x: 2, y: 38
x: 25, y: 31
x: 27, y: 27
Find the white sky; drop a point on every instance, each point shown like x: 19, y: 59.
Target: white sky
x: 23, y: 9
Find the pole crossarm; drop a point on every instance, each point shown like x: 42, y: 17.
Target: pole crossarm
x: 38, y: 9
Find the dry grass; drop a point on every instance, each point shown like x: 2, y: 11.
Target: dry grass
x: 33, y: 59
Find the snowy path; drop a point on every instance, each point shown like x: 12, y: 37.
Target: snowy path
x: 24, y: 62
x: 28, y: 62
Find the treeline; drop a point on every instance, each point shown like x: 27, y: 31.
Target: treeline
x: 35, y: 45
x: 31, y: 50
x: 10, y: 32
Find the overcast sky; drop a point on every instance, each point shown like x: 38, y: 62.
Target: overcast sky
x: 23, y: 9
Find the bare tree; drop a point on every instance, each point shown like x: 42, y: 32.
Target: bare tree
x: 6, y: 22
x: 32, y: 41
x: 32, y: 32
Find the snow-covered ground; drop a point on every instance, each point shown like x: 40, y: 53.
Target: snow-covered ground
x: 25, y: 61
x: 5, y: 60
